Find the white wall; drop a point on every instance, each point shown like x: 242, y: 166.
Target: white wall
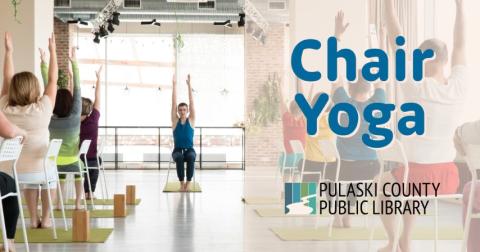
x: 36, y: 25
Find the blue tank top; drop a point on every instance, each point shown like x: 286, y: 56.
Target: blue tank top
x: 183, y: 135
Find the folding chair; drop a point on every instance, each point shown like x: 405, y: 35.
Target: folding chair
x: 289, y: 167
x: 49, y: 163
x: 101, y: 169
x: 473, y: 161
x: 83, y: 151
x: 10, y: 151
x: 297, y: 148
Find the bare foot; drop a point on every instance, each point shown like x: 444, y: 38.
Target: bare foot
x: 46, y: 223
x: 346, y: 221
x: 337, y: 222
x: 35, y: 223
x: 404, y: 244
x: 187, y: 187
x: 11, y: 246
x: 389, y: 248
x: 182, y: 186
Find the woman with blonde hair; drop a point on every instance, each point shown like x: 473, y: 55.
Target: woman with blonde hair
x: 23, y: 104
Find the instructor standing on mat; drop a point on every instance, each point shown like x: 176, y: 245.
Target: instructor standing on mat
x: 183, y: 123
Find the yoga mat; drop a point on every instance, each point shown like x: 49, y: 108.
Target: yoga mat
x: 97, y: 235
x: 100, y: 202
x: 171, y: 187
x: 261, y: 201
x: 361, y: 233
x: 100, y: 213
x: 280, y: 212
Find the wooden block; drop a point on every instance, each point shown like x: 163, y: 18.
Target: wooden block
x: 119, y: 206
x: 131, y: 197
x: 81, y: 226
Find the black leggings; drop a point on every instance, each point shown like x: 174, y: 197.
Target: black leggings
x: 181, y: 156
x: 93, y: 173
x: 10, y: 204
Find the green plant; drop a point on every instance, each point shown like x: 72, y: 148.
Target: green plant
x: 15, y: 4
x: 62, y: 81
x: 266, y: 107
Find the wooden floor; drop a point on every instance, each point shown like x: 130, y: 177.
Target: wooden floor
x: 214, y: 220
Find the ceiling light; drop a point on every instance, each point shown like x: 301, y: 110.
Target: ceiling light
x: 96, y: 39
x: 115, y: 19
x: 152, y: 22
x: 103, y: 32
x: 110, y: 27
x: 241, y: 22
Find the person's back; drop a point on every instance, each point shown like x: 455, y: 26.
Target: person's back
x: 442, y: 103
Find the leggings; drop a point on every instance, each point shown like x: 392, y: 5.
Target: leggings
x: 181, y: 156
x: 10, y: 204
x: 93, y: 173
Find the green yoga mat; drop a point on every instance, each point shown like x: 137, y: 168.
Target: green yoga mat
x: 261, y: 201
x: 100, y: 202
x: 97, y: 235
x: 171, y: 187
x: 361, y: 233
x: 100, y: 213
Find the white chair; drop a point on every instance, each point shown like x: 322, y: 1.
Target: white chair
x: 396, y: 153
x: 83, y: 152
x: 473, y: 161
x: 49, y: 163
x: 10, y: 151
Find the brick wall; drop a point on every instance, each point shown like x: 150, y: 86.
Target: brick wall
x: 62, y: 37
x: 262, y: 147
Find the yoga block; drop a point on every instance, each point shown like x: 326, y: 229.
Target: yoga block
x: 119, y: 206
x: 131, y: 195
x: 81, y: 226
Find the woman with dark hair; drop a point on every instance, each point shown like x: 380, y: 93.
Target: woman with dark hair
x: 65, y: 125
x: 89, y: 131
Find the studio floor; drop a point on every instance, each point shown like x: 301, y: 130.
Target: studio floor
x: 214, y: 220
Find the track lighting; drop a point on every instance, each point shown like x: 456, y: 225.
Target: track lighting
x: 110, y: 27
x: 96, y: 39
x: 115, y: 19
x: 102, y: 31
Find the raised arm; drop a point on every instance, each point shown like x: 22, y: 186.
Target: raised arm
x: 8, y: 68
x: 174, y: 114
x: 394, y: 28
x: 43, y: 67
x: 459, y: 52
x: 51, y: 88
x: 77, y: 94
x: 98, y: 91
x: 283, y: 101
x: 192, y: 115
x: 340, y: 28
x: 382, y: 42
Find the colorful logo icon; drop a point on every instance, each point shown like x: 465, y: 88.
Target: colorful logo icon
x: 300, y: 198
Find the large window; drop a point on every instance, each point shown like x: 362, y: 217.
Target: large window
x: 139, y: 71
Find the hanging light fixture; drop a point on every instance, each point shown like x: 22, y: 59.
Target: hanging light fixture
x: 96, y: 39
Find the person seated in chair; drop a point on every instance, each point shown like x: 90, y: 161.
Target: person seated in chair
x: 183, y: 123
x: 7, y: 185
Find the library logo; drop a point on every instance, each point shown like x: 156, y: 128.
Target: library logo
x: 300, y: 198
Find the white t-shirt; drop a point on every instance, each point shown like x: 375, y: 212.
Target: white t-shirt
x: 442, y: 104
